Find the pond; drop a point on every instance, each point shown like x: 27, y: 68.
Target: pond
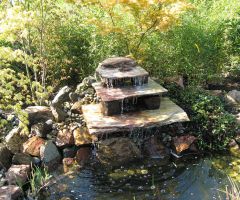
x: 194, y: 178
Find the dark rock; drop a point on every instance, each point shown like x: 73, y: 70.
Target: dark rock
x: 41, y: 129
x: 38, y: 114
x: 50, y: 155
x: 83, y: 155
x: 74, y: 97
x: 15, y: 140
x: 32, y: 146
x: 77, y: 108
x: 61, y: 97
x: 183, y: 142
x: 111, y: 108
x: 70, y: 152
x: 65, y: 138
x: 10, y: 192
x: 22, y: 159
x: 18, y: 174
x: 5, y: 157
x: 59, y: 114
x: 117, y: 151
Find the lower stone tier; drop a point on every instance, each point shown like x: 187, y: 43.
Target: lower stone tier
x: 99, y: 124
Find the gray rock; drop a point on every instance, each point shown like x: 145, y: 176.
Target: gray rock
x: 62, y: 96
x: 22, y: 159
x: 18, y: 174
x: 38, y: 114
x: 233, y: 97
x: 59, y: 114
x: 50, y: 155
x: 86, y: 83
x: 5, y: 157
x: 15, y: 140
x: 117, y: 151
x: 10, y: 192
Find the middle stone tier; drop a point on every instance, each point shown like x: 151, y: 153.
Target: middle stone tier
x: 129, y: 99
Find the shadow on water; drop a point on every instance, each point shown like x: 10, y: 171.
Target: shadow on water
x: 186, y: 179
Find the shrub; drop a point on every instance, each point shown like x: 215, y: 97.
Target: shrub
x: 210, y: 122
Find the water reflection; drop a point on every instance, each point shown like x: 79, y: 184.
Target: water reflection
x: 191, y: 179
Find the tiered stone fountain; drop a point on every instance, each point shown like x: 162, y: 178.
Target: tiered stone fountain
x: 129, y: 100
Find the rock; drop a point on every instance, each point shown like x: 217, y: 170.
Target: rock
x: 15, y: 139
x: 152, y: 102
x: 69, y: 164
x: 5, y: 157
x: 41, y: 129
x: 32, y: 146
x: 61, y: 97
x: 65, y: 138
x: 117, y: 151
x: 77, y: 108
x: 18, y: 174
x: 70, y: 152
x: 86, y: 83
x: 118, y: 62
x: 83, y: 155
x: 38, y: 114
x: 50, y: 155
x: 22, y: 159
x: 74, y: 97
x: 183, y: 142
x: 10, y: 192
x: 82, y: 136
x: 233, y: 97
x: 155, y: 149
x: 217, y: 93
x: 59, y: 114
x: 235, y: 151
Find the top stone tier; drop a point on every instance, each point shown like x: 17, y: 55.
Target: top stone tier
x: 120, y: 72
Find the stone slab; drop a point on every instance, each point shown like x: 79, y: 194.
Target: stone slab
x: 114, y: 94
x: 117, y: 73
x: 99, y: 124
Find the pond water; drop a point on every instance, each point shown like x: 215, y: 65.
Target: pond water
x: 192, y: 178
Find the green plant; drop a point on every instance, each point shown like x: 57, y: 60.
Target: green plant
x: 39, y: 180
x: 213, y: 125
x: 232, y: 192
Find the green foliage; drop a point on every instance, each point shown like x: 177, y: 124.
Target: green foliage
x: 213, y: 125
x: 39, y: 180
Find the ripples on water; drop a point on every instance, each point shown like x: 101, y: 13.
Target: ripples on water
x: 191, y: 179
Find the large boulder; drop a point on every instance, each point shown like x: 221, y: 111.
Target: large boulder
x: 50, y: 155
x: 86, y: 83
x: 5, y: 157
x: 117, y: 151
x: 38, y: 114
x: 58, y: 113
x: 77, y: 107
x: 18, y: 174
x: 183, y: 143
x: 22, y: 159
x: 82, y: 136
x: 65, y: 138
x: 32, y: 146
x: 15, y: 140
x: 10, y: 192
x: 233, y: 97
x: 61, y: 97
